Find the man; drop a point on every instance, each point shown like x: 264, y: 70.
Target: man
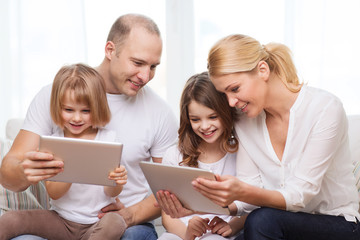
x: 143, y: 122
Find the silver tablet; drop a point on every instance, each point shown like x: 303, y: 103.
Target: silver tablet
x: 177, y: 180
x: 85, y: 161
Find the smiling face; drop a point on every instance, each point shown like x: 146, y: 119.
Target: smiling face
x: 245, y: 91
x: 205, y: 122
x: 133, y: 63
x: 76, y: 117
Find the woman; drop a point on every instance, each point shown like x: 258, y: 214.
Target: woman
x: 294, y: 173
x: 294, y: 158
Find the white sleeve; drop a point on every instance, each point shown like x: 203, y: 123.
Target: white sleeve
x: 166, y: 132
x: 38, y: 119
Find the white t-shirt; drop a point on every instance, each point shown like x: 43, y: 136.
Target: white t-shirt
x: 82, y: 202
x: 143, y: 123
x: 225, y: 166
x: 315, y: 173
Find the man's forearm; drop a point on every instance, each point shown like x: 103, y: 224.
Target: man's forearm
x: 12, y: 176
x: 141, y: 212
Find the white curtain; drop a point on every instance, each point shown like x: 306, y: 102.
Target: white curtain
x: 323, y: 35
x: 39, y: 36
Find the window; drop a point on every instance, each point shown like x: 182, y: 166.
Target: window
x: 39, y: 36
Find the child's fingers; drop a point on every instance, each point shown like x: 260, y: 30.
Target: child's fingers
x: 120, y: 169
x: 121, y: 182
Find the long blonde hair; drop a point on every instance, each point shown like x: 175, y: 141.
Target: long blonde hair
x: 241, y: 53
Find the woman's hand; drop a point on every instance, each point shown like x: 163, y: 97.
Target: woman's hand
x: 171, y: 205
x: 223, y: 191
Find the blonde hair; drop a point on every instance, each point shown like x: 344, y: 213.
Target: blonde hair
x: 88, y: 87
x: 241, y: 53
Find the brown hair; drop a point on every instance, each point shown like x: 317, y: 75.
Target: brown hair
x: 199, y: 88
x: 88, y: 87
x: 121, y: 28
x: 241, y: 53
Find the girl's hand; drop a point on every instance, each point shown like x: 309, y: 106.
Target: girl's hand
x: 220, y: 227
x: 171, y: 205
x: 119, y: 175
x: 197, y: 227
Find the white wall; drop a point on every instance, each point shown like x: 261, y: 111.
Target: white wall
x: 39, y: 36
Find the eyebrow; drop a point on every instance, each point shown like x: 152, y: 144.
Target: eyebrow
x: 143, y: 61
x: 227, y: 87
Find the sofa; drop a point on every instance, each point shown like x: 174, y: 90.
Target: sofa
x: 36, y: 197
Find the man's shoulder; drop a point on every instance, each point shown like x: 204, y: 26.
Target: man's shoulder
x: 151, y: 98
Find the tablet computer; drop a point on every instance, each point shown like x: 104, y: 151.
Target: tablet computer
x: 177, y: 180
x: 85, y: 161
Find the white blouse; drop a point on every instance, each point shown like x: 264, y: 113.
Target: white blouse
x: 315, y: 173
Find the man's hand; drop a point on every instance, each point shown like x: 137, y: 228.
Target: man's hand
x: 112, y: 207
x: 118, y: 207
x: 40, y: 166
x: 23, y: 165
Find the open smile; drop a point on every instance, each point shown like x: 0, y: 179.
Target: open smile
x: 136, y: 84
x: 76, y: 125
x: 244, y: 106
x: 208, y: 134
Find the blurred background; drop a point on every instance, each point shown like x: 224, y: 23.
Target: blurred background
x: 39, y: 36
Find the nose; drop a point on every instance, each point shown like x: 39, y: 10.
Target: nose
x: 77, y: 117
x: 205, y: 125
x: 144, y: 75
x: 232, y: 101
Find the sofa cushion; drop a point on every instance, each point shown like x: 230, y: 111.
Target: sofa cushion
x: 34, y: 197
x: 357, y: 176
x: 354, y: 137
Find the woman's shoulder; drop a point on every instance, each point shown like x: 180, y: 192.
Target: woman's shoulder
x: 317, y: 101
x: 316, y: 95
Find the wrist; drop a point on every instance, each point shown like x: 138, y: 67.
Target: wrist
x: 128, y: 216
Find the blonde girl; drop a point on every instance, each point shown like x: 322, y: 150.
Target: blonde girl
x: 79, y: 109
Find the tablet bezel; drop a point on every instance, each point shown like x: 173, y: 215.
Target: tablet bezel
x: 177, y: 180
x: 85, y: 161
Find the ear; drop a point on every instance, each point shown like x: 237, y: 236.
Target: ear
x: 110, y: 49
x: 263, y: 70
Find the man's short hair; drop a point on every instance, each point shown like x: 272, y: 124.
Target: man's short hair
x: 121, y: 28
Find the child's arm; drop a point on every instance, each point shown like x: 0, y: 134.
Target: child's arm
x: 119, y: 175
x: 173, y: 225
x: 56, y: 189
